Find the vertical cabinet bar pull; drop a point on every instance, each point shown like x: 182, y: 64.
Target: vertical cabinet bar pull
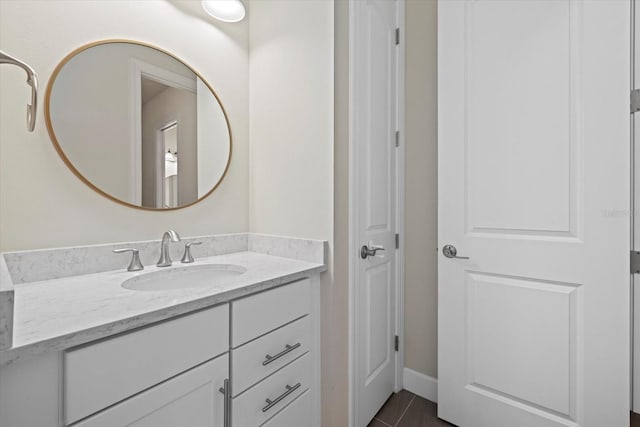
x: 288, y: 348
x: 227, y: 403
x: 288, y: 391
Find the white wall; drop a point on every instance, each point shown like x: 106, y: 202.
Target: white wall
x: 291, y: 108
x: 213, y: 149
x: 291, y: 181
x: 42, y: 204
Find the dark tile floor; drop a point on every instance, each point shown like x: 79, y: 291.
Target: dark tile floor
x: 405, y: 409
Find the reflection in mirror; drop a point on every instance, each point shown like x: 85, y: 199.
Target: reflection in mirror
x: 169, y: 179
x: 138, y: 125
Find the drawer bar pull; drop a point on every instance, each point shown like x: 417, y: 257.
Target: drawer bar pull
x: 272, y: 403
x: 288, y: 348
x: 227, y: 402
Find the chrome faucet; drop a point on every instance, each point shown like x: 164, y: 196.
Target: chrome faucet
x: 165, y: 259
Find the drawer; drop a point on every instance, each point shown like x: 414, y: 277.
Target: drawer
x: 294, y: 415
x: 101, y: 374
x: 258, y: 314
x: 250, y: 363
x: 251, y: 408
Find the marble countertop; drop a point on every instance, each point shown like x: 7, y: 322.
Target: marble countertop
x: 56, y: 314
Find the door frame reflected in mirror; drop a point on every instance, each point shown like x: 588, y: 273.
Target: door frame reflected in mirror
x: 161, y: 173
x: 143, y: 70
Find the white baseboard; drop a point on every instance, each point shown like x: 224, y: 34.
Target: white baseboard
x: 421, y: 384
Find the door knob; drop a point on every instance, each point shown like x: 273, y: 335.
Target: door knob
x: 450, y: 251
x: 366, y: 251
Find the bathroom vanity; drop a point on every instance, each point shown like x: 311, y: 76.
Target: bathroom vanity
x: 243, y: 351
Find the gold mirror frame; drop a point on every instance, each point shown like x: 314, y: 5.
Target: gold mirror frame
x: 76, y: 172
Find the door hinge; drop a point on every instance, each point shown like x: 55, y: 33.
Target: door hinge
x: 397, y: 138
x: 635, y: 101
x: 397, y: 36
x: 397, y: 241
x: 396, y: 343
x: 635, y: 262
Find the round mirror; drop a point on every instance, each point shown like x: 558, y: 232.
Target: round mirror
x: 138, y: 125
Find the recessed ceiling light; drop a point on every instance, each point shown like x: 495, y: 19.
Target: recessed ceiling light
x: 224, y: 10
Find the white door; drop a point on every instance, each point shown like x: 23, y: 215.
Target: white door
x: 192, y: 399
x: 374, y: 129
x: 533, y: 100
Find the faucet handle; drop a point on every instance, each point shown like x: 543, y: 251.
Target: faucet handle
x: 135, y: 264
x: 187, y: 258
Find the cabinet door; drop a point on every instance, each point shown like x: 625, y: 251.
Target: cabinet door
x: 191, y: 399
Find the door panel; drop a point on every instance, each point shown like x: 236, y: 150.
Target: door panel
x: 526, y: 189
x: 503, y: 356
x: 375, y: 125
x: 533, y: 152
x: 378, y: 293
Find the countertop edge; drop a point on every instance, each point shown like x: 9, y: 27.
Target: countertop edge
x: 6, y: 306
x: 66, y: 341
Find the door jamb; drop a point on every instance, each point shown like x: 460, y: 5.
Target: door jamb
x: 400, y: 200
x: 634, y: 404
x: 351, y: 369
x: 353, y: 213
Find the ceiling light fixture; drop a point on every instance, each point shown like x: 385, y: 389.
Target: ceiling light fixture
x: 224, y: 10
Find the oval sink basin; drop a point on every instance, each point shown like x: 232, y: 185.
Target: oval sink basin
x: 196, y: 276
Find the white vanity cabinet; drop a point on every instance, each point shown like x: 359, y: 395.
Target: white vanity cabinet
x: 250, y: 362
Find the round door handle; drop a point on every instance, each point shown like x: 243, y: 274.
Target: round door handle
x: 450, y: 251
x: 366, y: 251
